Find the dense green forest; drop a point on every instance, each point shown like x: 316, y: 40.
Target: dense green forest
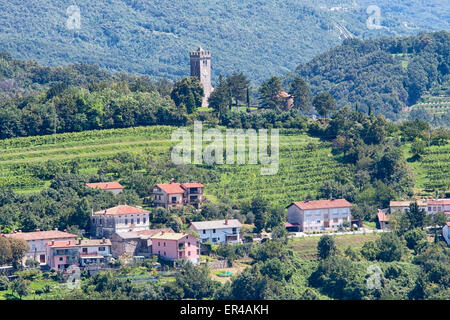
x: 153, y: 37
x: 384, y: 75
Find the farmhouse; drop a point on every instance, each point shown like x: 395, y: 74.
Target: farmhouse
x: 84, y: 253
x: 113, y: 187
x: 172, y: 195
x: 137, y: 243
x: 172, y: 246
x: 122, y: 218
x: 430, y: 206
x: 319, y: 214
x: 37, y: 241
x: 219, y: 231
x: 383, y: 219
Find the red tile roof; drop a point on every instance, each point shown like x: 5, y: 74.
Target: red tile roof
x: 322, y: 204
x: 440, y: 201
x: 41, y: 235
x: 171, y: 188
x: 105, y: 185
x: 122, y: 209
x: 382, y: 216
x: 61, y: 244
x: 192, y: 185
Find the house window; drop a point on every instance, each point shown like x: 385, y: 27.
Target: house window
x: 164, y: 244
x: 234, y: 230
x: 144, y: 221
x: 198, y: 251
x: 189, y: 244
x: 138, y: 221
x: 214, y: 239
x: 61, y: 259
x: 189, y: 253
x: 214, y: 230
x: 126, y: 221
x: 164, y: 253
x: 132, y: 221
x: 318, y: 221
x: 204, y: 231
x: 101, y: 249
x: 174, y: 199
x: 159, y: 244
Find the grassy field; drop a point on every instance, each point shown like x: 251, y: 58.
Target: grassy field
x: 304, y: 162
x: 307, y: 247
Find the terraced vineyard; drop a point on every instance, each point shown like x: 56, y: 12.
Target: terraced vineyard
x: 436, y: 164
x: 305, y: 163
x: 90, y: 148
x: 434, y: 104
x: 311, y: 163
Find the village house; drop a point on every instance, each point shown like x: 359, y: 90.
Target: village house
x: 383, y: 219
x: 219, y: 231
x: 319, y: 214
x: 172, y: 246
x: 430, y: 206
x: 113, y: 187
x: 83, y: 253
x: 37, y: 241
x: 173, y: 195
x: 137, y: 243
x: 122, y: 218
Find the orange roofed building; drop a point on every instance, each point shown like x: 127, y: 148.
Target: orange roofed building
x: 172, y: 195
x: 37, y: 241
x: 122, y: 218
x: 113, y: 187
x: 319, y: 214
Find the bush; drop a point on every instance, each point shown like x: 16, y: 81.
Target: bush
x: 4, y: 283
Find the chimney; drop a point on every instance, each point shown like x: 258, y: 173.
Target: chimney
x: 20, y: 231
x: 53, y: 242
x: 79, y: 241
x: 172, y: 180
x: 226, y: 221
x: 38, y: 230
x: 56, y: 229
x: 103, y: 240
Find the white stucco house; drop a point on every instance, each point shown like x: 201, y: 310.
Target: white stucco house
x: 122, y: 218
x: 218, y: 231
x: 319, y: 214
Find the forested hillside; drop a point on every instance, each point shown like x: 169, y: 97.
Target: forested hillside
x: 384, y: 75
x: 153, y: 37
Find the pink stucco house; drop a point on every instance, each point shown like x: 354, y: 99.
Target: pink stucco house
x: 82, y: 253
x: 37, y: 241
x: 172, y: 246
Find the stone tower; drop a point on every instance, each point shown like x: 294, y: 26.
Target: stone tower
x: 201, y: 68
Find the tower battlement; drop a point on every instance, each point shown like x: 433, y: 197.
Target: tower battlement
x: 201, y: 69
x: 200, y: 53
